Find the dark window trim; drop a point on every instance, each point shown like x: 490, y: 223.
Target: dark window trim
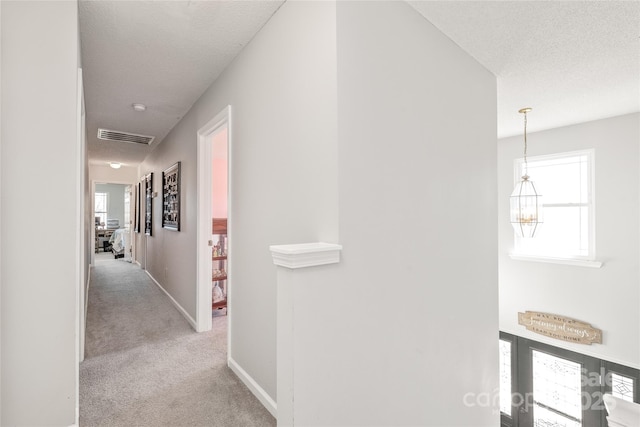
x: 626, y: 371
x: 593, y: 390
x: 507, y: 420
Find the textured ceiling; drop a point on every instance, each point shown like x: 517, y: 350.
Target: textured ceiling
x: 571, y: 61
x: 163, y: 54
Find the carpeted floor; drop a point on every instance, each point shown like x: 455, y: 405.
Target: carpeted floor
x: 145, y: 366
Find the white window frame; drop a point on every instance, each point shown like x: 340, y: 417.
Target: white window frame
x: 106, y: 205
x: 587, y: 260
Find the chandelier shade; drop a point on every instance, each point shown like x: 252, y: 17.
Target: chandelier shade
x: 526, y: 208
x: 525, y: 201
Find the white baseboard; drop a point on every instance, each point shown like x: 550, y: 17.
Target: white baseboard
x: 253, y: 386
x: 257, y: 391
x: 83, y: 327
x: 175, y: 303
x: 86, y: 295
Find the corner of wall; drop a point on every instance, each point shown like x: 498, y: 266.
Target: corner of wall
x: 1, y: 323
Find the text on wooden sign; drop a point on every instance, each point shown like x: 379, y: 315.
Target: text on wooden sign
x: 560, y: 327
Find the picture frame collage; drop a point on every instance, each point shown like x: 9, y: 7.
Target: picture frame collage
x: 171, y: 198
x: 170, y: 201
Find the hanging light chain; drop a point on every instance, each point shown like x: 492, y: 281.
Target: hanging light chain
x: 526, y: 206
x: 526, y: 165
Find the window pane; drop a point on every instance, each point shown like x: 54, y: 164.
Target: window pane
x: 583, y: 248
x: 586, y: 185
x: 564, y: 233
x: 557, y: 385
x: 127, y: 207
x: 564, y: 181
x: 505, y: 377
x: 100, y: 208
x: 622, y: 387
x: 560, y: 180
x: 543, y: 417
x: 101, y: 202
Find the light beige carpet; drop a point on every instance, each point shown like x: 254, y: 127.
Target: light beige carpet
x: 145, y: 366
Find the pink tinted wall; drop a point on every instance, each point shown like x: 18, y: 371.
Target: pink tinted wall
x: 219, y: 175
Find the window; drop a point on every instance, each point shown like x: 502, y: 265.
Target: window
x: 565, y: 183
x: 622, y: 382
x: 557, y: 391
x: 546, y: 386
x: 101, y: 208
x: 622, y: 387
x: 127, y: 207
x: 505, y: 377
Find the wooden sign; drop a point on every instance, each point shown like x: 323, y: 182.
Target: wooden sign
x: 560, y: 328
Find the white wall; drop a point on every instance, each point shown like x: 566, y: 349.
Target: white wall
x: 39, y: 133
x: 407, y: 324
x: 608, y: 297
x: 124, y: 175
x: 282, y: 89
x: 0, y: 213
x: 389, y: 332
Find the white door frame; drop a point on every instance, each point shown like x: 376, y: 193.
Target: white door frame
x: 204, y: 232
x: 81, y: 236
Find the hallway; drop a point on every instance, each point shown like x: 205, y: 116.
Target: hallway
x: 145, y: 366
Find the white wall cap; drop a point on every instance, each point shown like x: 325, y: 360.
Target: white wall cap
x: 621, y: 412
x: 305, y: 254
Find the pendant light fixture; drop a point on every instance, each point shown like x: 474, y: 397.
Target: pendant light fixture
x: 526, y: 203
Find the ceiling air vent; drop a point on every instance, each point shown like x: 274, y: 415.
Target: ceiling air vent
x: 114, y: 135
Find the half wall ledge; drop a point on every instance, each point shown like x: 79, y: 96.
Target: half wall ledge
x: 305, y: 254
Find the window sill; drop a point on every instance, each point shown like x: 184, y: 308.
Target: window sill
x: 564, y: 261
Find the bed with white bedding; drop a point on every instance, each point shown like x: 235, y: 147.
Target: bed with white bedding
x: 119, y: 245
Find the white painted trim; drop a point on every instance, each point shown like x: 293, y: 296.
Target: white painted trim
x: 257, y: 391
x: 564, y: 261
x: 203, y: 262
x: 230, y: 228
x: 80, y: 242
x: 305, y: 254
x: 175, y: 303
x: 621, y: 412
x: 86, y: 301
x: 83, y: 242
x: 92, y: 232
x: 204, y: 215
x: 0, y: 215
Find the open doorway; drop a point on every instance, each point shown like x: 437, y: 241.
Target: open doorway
x: 113, y: 210
x: 219, y: 223
x: 215, y: 230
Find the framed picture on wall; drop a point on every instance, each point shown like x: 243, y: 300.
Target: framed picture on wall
x: 171, y: 198
x: 148, y: 204
x: 136, y: 208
